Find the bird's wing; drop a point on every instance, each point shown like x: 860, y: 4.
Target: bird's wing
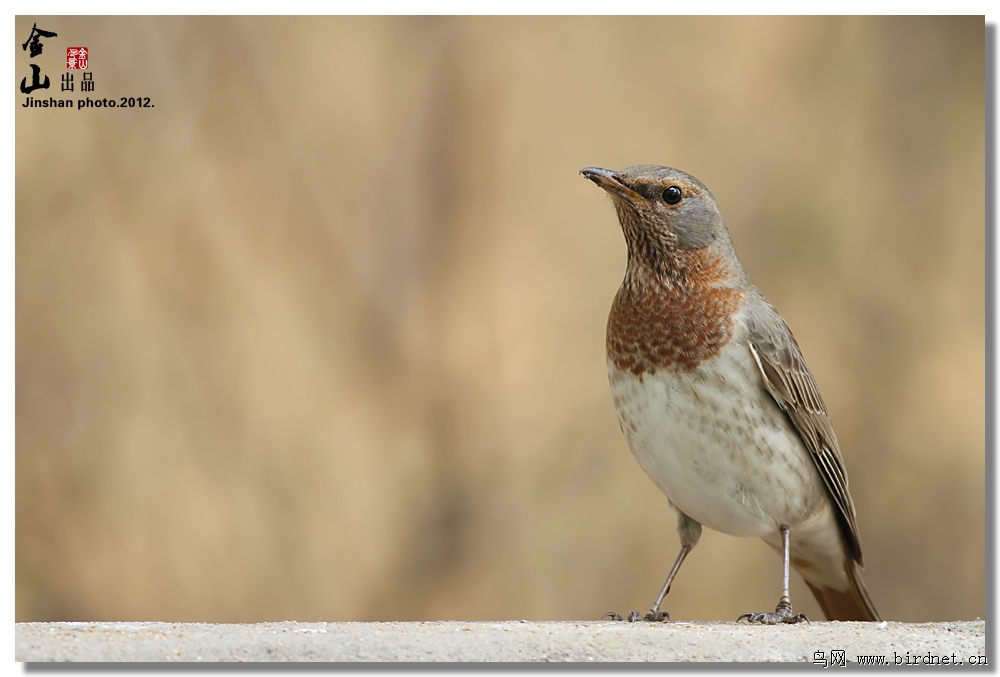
x: 793, y: 387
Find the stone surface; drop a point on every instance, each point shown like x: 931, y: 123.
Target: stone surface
x: 584, y: 641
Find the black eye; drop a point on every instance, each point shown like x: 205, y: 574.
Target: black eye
x: 672, y: 195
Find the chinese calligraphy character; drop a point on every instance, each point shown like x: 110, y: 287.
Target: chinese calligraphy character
x: 35, y: 84
x: 34, y: 40
x: 838, y: 657
x: 67, y: 82
x: 88, y: 83
x: 36, y: 48
x: 819, y: 658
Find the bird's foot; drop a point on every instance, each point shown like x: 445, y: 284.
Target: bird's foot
x: 782, y: 614
x: 633, y: 616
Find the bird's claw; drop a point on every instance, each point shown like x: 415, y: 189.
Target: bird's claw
x: 772, y: 618
x: 781, y: 614
x: 635, y: 616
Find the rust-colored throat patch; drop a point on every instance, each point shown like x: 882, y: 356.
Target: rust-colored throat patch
x: 659, y: 322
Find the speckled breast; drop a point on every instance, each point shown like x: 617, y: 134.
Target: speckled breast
x: 660, y: 324
x: 697, y: 419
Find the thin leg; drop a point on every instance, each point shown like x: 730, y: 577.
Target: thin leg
x: 785, y: 531
x: 654, y: 611
x: 783, y: 612
x: 689, y: 532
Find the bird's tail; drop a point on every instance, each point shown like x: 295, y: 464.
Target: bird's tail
x: 853, y: 604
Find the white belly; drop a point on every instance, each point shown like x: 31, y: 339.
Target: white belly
x: 716, y: 444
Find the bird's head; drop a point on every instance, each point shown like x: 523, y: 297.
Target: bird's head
x: 664, y: 213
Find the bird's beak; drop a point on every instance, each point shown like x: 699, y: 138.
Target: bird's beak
x: 605, y: 178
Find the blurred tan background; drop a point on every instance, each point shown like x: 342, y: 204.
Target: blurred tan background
x: 321, y: 335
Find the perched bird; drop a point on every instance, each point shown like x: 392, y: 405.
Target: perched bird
x: 715, y: 398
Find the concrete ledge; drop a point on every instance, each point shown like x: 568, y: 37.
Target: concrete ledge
x: 582, y: 641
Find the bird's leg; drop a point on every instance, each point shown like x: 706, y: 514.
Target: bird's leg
x: 690, y: 532
x: 783, y: 612
x: 654, y: 613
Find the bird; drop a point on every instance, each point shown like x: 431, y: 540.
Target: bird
x: 716, y: 401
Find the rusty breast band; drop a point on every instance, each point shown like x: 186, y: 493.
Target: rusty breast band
x: 658, y: 323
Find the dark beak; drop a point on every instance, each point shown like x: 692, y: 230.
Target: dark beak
x: 605, y: 178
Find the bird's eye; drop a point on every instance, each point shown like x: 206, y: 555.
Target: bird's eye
x: 672, y: 195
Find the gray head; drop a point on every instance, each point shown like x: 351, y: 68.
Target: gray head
x: 664, y: 213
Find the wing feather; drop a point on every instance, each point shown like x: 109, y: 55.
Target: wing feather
x: 793, y: 387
